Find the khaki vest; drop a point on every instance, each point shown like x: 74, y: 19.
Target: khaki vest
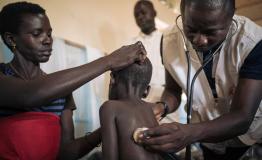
x: 226, y: 67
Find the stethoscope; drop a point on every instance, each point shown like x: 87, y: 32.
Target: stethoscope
x: 190, y: 83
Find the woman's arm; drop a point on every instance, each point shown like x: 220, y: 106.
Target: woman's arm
x: 71, y: 148
x: 18, y: 93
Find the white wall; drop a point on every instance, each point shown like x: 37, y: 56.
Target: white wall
x: 250, y: 9
x: 107, y: 24
x: 103, y: 24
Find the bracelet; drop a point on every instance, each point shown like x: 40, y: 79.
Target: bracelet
x: 86, y: 137
x: 166, y: 109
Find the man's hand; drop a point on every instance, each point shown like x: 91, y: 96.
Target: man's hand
x: 127, y: 55
x: 168, y: 138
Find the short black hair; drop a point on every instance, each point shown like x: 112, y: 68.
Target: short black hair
x: 146, y: 3
x: 11, y: 14
x: 228, y: 5
x: 138, y: 74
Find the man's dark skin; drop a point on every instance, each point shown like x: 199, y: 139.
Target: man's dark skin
x: 145, y: 16
x: 34, y: 88
x: 119, y: 117
x: 205, y: 28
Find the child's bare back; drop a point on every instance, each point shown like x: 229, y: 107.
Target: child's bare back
x: 125, y: 112
x: 119, y: 119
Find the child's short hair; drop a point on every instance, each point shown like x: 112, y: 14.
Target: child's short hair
x: 138, y: 74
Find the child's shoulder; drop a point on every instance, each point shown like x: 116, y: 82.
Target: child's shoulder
x: 148, y: 104
x: 111, y: 105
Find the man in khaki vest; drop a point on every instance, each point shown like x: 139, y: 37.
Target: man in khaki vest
x: 226, y: 106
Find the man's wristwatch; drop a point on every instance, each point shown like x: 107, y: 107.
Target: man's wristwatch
x: 166, y: 109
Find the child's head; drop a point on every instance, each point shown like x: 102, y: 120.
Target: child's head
x: 137, y: 76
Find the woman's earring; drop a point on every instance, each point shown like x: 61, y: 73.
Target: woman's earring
x: 13, y: 47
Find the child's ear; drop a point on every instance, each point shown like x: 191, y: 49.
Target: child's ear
x: 112, y: 79
x: 146, y: 92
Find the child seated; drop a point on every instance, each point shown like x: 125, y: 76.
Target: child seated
x: 125, y: 112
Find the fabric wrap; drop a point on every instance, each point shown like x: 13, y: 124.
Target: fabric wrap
x: 30, y: 135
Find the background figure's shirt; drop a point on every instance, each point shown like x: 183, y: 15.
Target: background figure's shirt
x: 152, y: 46
x: 55, y: 107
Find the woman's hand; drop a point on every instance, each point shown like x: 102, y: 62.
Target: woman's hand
x: 127, y: 55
